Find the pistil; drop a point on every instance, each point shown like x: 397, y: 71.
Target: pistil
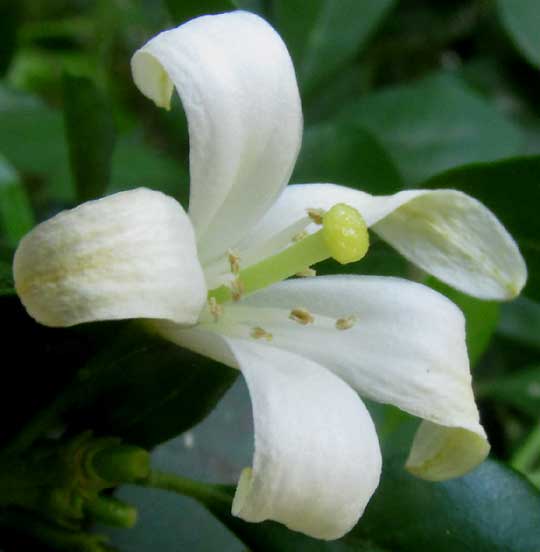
x: 343, y: 236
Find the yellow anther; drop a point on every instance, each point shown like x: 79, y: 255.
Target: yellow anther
x: 307, y: 273
x: 301, y: 316
x: 346, y: 323
x: 237, y: 289
x: 300, y: 236
x: 316, y: 215
x: 234, y: 261
x: 216, y: 310
x: 261, y: 333
x: 345, y: 233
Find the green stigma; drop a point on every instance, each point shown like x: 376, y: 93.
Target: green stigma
x: 343, y: 236
x: 345, y: 233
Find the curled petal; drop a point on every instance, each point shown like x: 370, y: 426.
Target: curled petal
x: 128, y: 255
x: 238, y: 87
x: 317, y: 459
x: 445, y: 232
x: 392, y: 340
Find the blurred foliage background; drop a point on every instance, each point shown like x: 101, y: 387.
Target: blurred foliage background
x: 396, y: 94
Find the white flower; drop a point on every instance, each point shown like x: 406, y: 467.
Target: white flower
x: 305, y: 346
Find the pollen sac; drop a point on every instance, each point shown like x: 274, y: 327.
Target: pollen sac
x: 345, y: 233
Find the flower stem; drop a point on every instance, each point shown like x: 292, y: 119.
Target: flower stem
x: 206, y: 494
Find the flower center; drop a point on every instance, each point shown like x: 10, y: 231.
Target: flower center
x: 343, y: 236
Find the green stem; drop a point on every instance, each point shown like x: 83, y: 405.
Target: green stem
x: 206, y: 494
x: 121, y: 463
x: 309, y: 251
x: 529, y: 453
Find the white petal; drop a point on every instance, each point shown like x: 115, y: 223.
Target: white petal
x: 407, y: 348
x: 129, y: 255
x: 445, y: 232
x: 238, y: 87
x: 317, y: 459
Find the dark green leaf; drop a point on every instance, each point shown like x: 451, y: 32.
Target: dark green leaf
x: 411, y: 515
x: 182, y: 10
x: 90, y: 136
x: 521, y: 19
x: 434, y: 124
x: 520, y: 321
x: 144, y: 389
x: 323, y: 35
x: 16, y: 215
x: 343, y: 154
x: 493, y: 509
x: 511, y: 190
x: 10, y: 13
x: 520, y: 389
x: 481, y: 318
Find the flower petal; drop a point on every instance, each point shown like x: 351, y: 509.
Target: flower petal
x: 317, y: 459
x: 129, y: 255
x: 238, y: 87
x: 405, y: 346
x: 445, y: 232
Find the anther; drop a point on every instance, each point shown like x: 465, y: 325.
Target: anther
x: 346, y: 323
x: 261, y: 333
x: 316, y: 215
x: 301, y: 316
x: 234, y: 261
x: 300, y: 236
x: 307, y: 273
x: 237, y: 289
x: 216, y: 310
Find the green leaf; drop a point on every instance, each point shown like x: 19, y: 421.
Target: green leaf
x: 348, y: 155
x: 323, y: 35
x: 144, y: 389
x: 493, y: 184
x: 32, y: 139
x: 10, y: 13
x: 520, y: 321
x: 519, y: 389
x: 411, y: 515
x: 16, y: 215
x: 492, y: 509
x: 90, y: 136
x: 434, y: 124
x: 521, y: 19
x: 481, y: 318
x: 182, y: 10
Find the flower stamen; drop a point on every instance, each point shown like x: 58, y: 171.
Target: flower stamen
x: 234, y: 261
x: 216, y: 310
x: 316, y: 215
x: 260, y: 333
x: 301, y: 316
x: 346, y: 323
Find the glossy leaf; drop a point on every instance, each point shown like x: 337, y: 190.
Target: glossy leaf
x: 90, y: 136
x: 492, y: 509
x: 16, y: 215
x: 521, y: 19
x: 343, y: 154
x: 144, y: 389
x: 511, y: 190
x: 434, y: 124
x: 323, y: 35
x: 410, y: 515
